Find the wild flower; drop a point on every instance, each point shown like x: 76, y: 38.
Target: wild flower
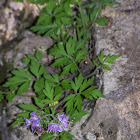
x: 54, y: 127
x: 64, y: 119
x: 34, y: 117
x: 28, y: 122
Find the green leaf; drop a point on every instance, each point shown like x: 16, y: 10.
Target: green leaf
x: 46, y: 101
x: 57, y: 90
x: 38, y: 55
x: 96, y: 93
x: 57, y: 97
x: 20, y: 73
x: 78, y: 102
x: 39, y: 85
x: 95, y: 63
x: 21, y: 79
x: 52, y: 78
x: 24, y: 114
x: 17, y: 121
x: 110, y: 59
x: 10, y: 96
x: 41, y: 29
x: 66, y: 136
x: 76, y: 116
x: 48, y: 91
x: 19, y: 0
x: 112, y: 3
x: 30, y: 56
x: 47, y: 136
x: 60, y: 61
x: 81, y: 55
x: 23, y: 88
x: 28, y: 107
x: 38, y: 103
x: 66, y: 20
x: 25, y: 60
x: 70, y: 103
x: 66, y: 84
x: 103, y: 21
x: 106, y: 67
x: 101, y: 57
x: 85, y: 84
x: 78, y: 81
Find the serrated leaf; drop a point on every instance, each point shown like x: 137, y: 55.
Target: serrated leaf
x: 101, y: 57
x: 66, y: 20
x: 46, y: 101
x: 38, y: 103
x: 17, y: 121
x: 38, y: 55
x: 60, y: 61
x: 24, y: 114
x: 66, y: 136
x: 21, y: 74
x: 105, y: 66
x: 103, y: 21
x: 57, y: 90
x: 39, y: 85
x: 66, y: 84
x: 52, y: 78
x: 47, y: 136
x: 76, y: 116
x: 30, y: 56
x: 57, y: 97
x: 81, y: 55
x: 96, y: 93
x: 10, y: 96
x: 23, y: 88
x: 78, y: 81
x: 69, y: 97
x: 95, y: 63
x: 86, y: 83
x: 28, y: 107
x: 78, y: 102
x: 48, y: 91
x: 25, y: 60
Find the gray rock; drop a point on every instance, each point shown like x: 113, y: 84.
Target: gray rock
x: 117, y: 115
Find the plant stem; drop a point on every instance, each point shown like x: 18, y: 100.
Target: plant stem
x: 37, y: 6
x: 91, y: 74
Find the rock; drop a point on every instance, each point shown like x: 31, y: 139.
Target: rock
x: 15, y: 18
x: 117, y: 115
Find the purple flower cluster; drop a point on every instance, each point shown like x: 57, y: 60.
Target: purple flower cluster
x: 55, y: 127
x: 33, y: 121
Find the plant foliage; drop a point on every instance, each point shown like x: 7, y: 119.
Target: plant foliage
x: 69, y: 23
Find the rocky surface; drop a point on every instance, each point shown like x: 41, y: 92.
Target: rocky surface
x: 15, y: 18
x: 114, y: 117
x: 117, y: 115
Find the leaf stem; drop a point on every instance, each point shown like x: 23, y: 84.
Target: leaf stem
x: 37, y: 5
x: 91, y: 74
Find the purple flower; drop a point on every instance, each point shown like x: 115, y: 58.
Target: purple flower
x: 34, y: 117
x: 36, y: 125
x: 64, y: 119
x: 28, y: 122
x: 54, y: 127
